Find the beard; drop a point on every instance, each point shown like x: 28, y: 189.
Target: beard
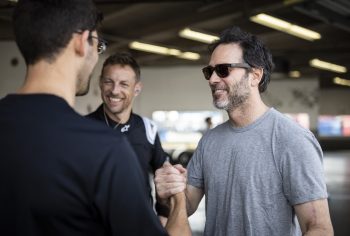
x: 237, y: 95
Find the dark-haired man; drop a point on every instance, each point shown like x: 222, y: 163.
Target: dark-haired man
x: 120, y: 83
x: 260, y: 172
x: 60, y: 173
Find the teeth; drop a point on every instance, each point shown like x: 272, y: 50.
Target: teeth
x: 115, y: 99
x: 219, y: 91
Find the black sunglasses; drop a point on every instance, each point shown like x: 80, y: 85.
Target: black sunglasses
x: 222, y: 69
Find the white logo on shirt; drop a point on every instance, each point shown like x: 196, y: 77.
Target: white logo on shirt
x: 125, y: 128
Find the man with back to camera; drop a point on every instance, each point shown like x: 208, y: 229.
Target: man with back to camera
x: 60, y: 173
x: 261, y: 173
x: 120, y: 83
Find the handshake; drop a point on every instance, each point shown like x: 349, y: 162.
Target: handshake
x: 170, y: 180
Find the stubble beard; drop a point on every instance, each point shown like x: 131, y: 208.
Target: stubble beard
x: 237, y: 95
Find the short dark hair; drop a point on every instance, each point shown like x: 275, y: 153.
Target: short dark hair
x: 124, y: 59
x: 44, y: 27
x: 255, y: 52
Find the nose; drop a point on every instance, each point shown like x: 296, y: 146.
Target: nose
x: 214, y: 78
x: 115, y: 89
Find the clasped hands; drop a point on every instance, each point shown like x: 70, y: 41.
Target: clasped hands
x: 170, y: 180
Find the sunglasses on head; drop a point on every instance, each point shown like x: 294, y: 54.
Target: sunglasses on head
x: 222, y: 70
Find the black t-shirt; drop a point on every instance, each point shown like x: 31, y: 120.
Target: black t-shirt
x: 64, y: 174
x: 151, y: 156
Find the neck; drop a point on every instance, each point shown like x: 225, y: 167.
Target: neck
x: 247, y: 113
x: 120, y: 118
x: 57, y: 78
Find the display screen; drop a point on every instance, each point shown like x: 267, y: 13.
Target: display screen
x: 336, y: 126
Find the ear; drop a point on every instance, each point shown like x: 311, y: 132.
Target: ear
x: 81, y: 43
x: 257, y: 74
x: 138, y: 88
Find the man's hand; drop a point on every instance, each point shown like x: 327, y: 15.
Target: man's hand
x: 170, y: 180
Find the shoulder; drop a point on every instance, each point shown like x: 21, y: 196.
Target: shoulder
x: 289, y: 137
x: 96, y: 133
x: 287, y: 128
x: 151, y: 129
x: 97, y: 114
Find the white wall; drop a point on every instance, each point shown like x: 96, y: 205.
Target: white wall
x: 295, y: 96
x: 335, y: 101
x: 173, y: 88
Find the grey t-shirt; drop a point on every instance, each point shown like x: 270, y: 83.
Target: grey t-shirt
x: 252, y: 176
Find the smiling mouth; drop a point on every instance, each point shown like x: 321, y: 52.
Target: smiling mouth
x: 218, y: 91
x: 114, y: 99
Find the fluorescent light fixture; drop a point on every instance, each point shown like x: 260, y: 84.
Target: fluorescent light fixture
x: 294, y: 74
x: 327, y: 66
x: 149, y: 48
x: 285, y: 26
x: 174, y: 52
x: 189, y: 56
x: 197, y: 36
x: 341, y: 81
x: 163, y: 50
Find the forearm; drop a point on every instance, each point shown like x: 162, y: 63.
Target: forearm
x: 189, y: 208
x: 177, y: 223
x: 193, y: 197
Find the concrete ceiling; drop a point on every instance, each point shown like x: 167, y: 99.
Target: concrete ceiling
x: 158, y: 22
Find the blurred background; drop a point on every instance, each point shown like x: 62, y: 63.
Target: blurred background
x: 309, y: 40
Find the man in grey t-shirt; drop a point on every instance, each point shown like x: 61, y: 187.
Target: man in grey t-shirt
x: 261, y: 173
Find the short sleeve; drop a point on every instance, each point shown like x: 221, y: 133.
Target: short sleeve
x: 302, y: 169
x: 195, y: 168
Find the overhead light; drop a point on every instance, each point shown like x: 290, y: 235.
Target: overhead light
x: 285, y: 26
x: 327, y: 66
x: 197, y: 36
x: 294, y: 74
x: 150, y: 48
x: 189, y: 56
x: 341, y: 81
x: 163, y: 50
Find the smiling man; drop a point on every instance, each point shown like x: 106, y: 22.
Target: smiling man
x: 260, y: 172
x: 120, y: 83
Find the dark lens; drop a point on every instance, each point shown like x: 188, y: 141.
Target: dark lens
x: 99, y: 47
x: 207, y: 71
x: 222, y: 70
